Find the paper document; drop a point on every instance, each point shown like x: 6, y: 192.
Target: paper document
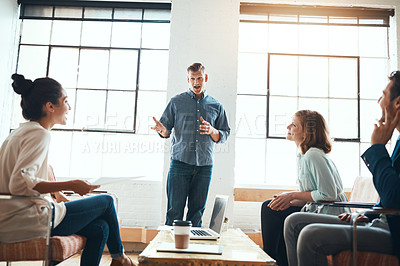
x: 110, y: 180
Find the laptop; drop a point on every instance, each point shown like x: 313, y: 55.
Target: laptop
x: 216, y: 222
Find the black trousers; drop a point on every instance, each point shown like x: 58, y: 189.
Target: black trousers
x: 272, y: 231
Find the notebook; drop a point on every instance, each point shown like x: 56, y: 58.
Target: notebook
x: 216, y: 222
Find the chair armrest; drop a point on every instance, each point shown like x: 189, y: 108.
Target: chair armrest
x: 50, y: 221
x: 345, y: 204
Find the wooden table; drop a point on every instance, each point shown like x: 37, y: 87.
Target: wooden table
x: 237, y: 249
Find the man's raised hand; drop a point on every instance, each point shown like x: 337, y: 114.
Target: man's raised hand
x: 159, y: 127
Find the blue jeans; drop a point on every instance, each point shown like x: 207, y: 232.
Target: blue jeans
x: 189, y: 182
x: 96, y: 219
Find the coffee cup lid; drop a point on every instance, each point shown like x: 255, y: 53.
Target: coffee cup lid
x: 182, y: 223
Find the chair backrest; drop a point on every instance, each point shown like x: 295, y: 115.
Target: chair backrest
x: 364, y: 190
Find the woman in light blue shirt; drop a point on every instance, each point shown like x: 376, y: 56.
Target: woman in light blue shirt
x: 318, y: 180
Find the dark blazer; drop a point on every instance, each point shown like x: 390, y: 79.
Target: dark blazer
x: 386, y: 177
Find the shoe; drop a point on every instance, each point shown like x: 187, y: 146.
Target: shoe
x: 118, y: 263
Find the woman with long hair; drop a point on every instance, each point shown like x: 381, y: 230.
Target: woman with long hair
x: 318, y: 180
x: 24, y: 170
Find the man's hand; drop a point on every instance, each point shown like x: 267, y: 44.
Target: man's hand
x: 347, y: 216
x: 383, y: 131
x: 207, y: 129
x: 159, y: 127
x: 281, y: 201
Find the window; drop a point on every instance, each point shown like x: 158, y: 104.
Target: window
x: 112, y: 60
x: 329, y: 59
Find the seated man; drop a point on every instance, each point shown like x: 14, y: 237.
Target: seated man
x: 311, y: 237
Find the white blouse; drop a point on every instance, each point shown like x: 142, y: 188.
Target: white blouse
x: 23, y: 164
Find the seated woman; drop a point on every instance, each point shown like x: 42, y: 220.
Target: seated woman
x: 318, y: 179
x: 24, y: 171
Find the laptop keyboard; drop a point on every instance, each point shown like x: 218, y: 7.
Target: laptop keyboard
x: 200, y: 233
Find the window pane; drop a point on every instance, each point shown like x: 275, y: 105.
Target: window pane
x: 66, y: 32
x: 249, y: 169
x: 146, y: 111
x: 283, y: 43
x: 251, y: 122
x: 68, y: 12
x: 38, y: 11
x: 155, y: 35
x: 373, y: 41
x: 313, y: 19
x: 373, y: 77
x: 283, y: 67
x: 280, y: 114
x: 64, y: 66
x: 96, y: 33
x: 309, y: 43
x: 346, y: 156
x: 376, y: 21
x: 123, y: 69
x: 120, y: 110
x: 343, y: 75
x: 281, y: 167
x: 313, y: 76
x: 343, y: 40
x: 90, y: 109
x: 285, y: 18
x: 370, y: 114
x: 126, y: 34
x: 342, y: 20
x: 253, y: 37
x: 319, y: 105
x: 343, y: 118
x: 32, y: 61
x: 35, y: 31
x: 59, y: 151
x: 100, y: 13
x: 93, y: 63
x: 124, y: 13
x: 157, y: 14
x: 252, y: 77
x: 86, y: 155
x: 147, y: 79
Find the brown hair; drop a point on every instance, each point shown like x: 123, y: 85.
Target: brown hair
x: 196, y: 67
x: 316, y: 132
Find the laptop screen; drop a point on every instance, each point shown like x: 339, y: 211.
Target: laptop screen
x: 218, y: 214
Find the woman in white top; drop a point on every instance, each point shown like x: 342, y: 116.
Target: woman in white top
x: 24, y: 171
x: 318, y: 180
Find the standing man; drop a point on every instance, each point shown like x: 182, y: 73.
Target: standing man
x: 311, y: 237
x: 199, y: 121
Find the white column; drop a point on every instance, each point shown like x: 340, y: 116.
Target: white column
x: 206, y: 31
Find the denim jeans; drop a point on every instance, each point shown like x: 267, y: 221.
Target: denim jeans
x: 96, y: 219
x: 189, y: 182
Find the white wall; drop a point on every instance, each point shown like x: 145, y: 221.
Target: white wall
x: 207, y: 31
x: 8, y: 48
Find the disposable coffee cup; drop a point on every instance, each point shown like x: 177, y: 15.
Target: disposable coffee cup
x: 182, y: 232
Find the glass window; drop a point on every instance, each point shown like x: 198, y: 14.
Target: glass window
x: 336, y: 65
x: 104, y: 58
x: 36, y: 31
x: 32, y: 61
